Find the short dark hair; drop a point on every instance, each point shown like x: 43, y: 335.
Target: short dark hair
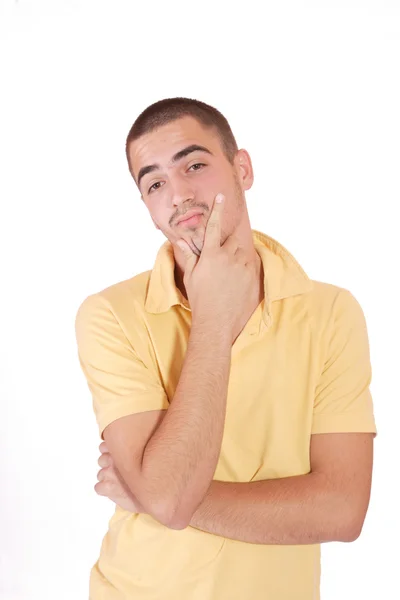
x: 170, y: 109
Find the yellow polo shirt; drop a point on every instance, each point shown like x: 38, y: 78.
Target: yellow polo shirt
x: 300, y: 366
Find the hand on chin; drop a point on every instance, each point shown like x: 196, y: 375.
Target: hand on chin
x: 196, y: 240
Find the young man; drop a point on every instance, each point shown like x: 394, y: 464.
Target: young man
x: 231, y: 391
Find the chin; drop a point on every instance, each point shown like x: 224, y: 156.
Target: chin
x: 195, y: 248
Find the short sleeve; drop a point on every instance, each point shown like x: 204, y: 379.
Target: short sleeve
x: 343, y: 401
x: 121, y: 384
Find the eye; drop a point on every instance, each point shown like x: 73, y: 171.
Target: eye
x: 157, y: 183
x: 197, y: 165
x: 152, y: 186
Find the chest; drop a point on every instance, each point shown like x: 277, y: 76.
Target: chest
x: 270, y: 394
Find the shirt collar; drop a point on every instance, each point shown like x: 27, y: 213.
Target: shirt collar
x: 283, y: 277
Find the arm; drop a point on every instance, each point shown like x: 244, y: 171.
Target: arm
x: 172, y: 474
x: 327, y: 504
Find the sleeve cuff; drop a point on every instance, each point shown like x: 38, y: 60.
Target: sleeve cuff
x: 126, y: 408
x: 344, y: 423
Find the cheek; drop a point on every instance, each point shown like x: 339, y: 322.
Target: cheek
x: 226, y: 184
x: 214, y: 183
x: 157, y: 216
x: 154, y: 221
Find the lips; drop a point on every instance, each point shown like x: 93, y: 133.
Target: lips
x: 190, y: 213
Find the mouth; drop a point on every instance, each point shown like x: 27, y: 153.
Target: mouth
x: 191, y: 218
x: 191, y: 221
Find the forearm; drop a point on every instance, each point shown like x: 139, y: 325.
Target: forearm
x: 181, y: 456
x: 293, y: 510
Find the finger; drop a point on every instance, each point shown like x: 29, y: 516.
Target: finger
x: 101, y: 475
x: 100, y: 488
x: 103, y: 447
x: 104, y: 460
x: 212, y: 238
x: 189, y: 255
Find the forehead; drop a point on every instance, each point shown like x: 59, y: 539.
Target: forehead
x: 161, y: 144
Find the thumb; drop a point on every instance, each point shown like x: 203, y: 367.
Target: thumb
x: 190, y: 256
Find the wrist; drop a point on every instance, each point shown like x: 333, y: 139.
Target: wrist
x: 211, y: 333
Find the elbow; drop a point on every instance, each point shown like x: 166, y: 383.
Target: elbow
x: 350, y: 535
x: 169, y: 515
x: 178, y: 523
x: 351, y: 530
x: 182, y: 516
x: 348, y: 516
x: 178, y: 518
x: 172, y: 521
x: 162, y: 508
x: 167, y: 509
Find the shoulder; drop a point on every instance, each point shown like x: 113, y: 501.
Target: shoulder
x: 121, y: 299
x: 332, y: 312
x: 115, y: 312
x: 327, y: 300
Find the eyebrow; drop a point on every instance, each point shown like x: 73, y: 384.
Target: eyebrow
x: 176, y: 157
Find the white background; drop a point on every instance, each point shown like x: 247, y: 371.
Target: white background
x: 311, y: 90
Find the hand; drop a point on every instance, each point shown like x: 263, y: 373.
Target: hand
x: 111, y: 484
x: 220, y: 284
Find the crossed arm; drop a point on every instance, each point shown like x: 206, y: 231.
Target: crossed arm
x: 327, y: 504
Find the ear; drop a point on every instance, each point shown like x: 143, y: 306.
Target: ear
x: 244, y: 168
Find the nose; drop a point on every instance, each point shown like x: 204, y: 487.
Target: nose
x: 181, y: 190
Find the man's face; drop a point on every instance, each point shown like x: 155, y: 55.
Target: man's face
x: 187, y: 182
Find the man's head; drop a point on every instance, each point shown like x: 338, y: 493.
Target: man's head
x: 181, y: 153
